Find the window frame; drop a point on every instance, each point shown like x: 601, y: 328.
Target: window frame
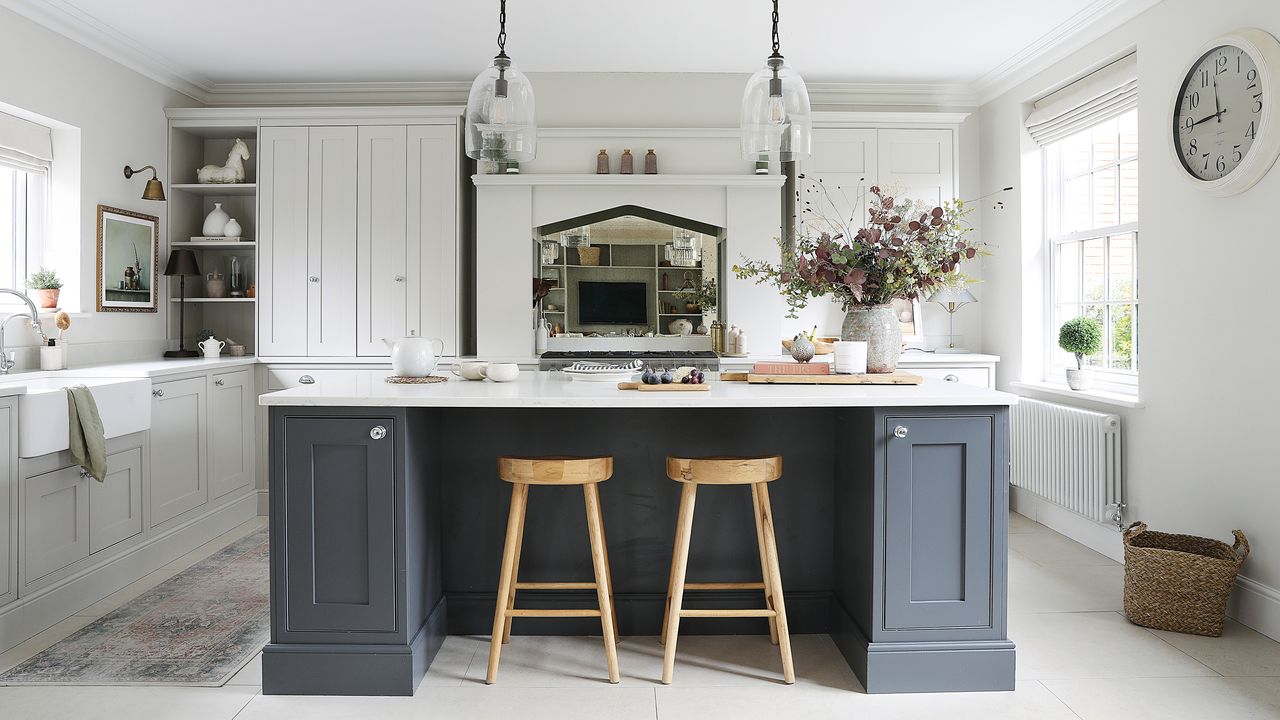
x: 1054, y: 192
x: 33, y: 214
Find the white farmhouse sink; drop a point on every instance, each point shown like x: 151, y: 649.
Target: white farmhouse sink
x: 123, y: 403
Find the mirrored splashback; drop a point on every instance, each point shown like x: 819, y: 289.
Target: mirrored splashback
x: 631, y: 273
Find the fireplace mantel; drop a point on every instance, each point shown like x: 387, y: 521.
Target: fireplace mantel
x: 509, y: 208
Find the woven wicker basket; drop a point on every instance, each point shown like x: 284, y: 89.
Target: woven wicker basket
x: 589, y: 256
x: 1179, y: 582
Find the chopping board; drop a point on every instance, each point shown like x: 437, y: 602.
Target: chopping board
x: 669, y: 387
x: 897, y: 377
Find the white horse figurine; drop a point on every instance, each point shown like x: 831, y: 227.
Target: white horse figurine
x: 232, y: 172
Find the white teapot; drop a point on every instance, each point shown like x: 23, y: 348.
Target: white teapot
x: 212, y: 347
x: 414, y: 356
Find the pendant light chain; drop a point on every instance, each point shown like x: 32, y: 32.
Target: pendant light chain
x: 777, y: 44
x: 502, y: 27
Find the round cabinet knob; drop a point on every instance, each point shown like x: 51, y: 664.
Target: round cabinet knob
x: 219, y: 383
x: 378, y: 432
x: 951, y: 378
x: 900, y: 432
x: 399, y: 278
x: 307, y: 380
x: 157, y: 393
x: 84, y: 474
x: 314, y: 278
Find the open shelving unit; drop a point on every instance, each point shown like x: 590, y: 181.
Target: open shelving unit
x: 198, y: 138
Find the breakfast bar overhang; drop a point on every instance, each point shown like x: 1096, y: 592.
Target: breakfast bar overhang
x: 387, y: 521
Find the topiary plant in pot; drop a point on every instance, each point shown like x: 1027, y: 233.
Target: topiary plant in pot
x: 48, y: 285
x: 1080, y: 336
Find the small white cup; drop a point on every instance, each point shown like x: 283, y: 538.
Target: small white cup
x: 851, y: 357
x: 470, y: 369
x: 501, y: 372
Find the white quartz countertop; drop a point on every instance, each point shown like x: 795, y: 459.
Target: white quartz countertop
x: 554, y: 389
x: 908, y: 359
x: 155, y: 368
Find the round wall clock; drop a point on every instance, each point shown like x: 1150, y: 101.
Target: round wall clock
x: 1225, y: 132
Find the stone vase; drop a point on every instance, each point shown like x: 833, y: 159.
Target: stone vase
x: 877, y: 326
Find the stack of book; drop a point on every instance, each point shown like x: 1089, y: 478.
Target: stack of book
x: 791, y: 368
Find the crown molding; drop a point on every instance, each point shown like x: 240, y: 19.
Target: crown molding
x: 924, y: 95
x: 69, y: 21
x: 1086, y: 26
x: 339, y: 93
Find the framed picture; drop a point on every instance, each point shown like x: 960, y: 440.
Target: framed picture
x: 128, y: 251
x: 909, y: 319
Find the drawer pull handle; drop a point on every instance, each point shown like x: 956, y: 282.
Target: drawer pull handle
x: 314, y: 278
x: 951, y: 377
x: 900, y: 432
x: 219, y: 383
x: 157, y: 393
x: 307, y: 380
x: 378, y: 432
x: 84, y: 474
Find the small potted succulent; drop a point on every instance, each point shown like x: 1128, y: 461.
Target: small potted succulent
x: 1080, y: 336
x: 47, y: 286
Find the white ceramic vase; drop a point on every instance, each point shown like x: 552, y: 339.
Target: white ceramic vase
x: 1080, y: 379
x: 231, y: 229
x: 216, y: 221
x: 877, y: 326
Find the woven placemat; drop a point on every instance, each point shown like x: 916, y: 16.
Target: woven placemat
x: 402, y: 380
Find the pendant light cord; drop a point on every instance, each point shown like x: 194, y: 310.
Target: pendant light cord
x: 777, y: 44
x: 502, y: 27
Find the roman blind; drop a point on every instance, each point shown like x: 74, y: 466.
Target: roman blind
x: 1101, y: 95
x: 24, y: 144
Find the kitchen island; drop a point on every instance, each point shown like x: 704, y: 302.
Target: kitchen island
x: 387, y: 521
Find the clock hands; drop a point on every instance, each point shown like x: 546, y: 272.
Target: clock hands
x: 1216, y: 105
x: 1217, y: 115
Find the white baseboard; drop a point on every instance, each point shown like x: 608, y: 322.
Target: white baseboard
x: 1252, y: 603
x: 1105, y: 539
x: 48, y: 606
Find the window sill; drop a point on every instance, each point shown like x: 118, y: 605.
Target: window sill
x: 1101, y: 397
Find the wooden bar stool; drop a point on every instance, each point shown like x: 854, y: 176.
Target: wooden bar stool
x: 521, y: 473
x: 757, y: 472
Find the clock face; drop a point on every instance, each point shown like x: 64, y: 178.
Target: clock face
x: 1219, y: 112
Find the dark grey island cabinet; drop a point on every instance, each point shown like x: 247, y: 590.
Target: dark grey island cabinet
x: 387, y: 527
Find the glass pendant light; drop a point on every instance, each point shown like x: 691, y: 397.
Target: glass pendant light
x: 775, y: 109
x: 500, y: 119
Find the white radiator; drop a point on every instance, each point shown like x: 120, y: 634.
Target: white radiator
x: 1070, y: 457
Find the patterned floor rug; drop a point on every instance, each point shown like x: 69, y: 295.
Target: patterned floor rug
x: 197, y: 628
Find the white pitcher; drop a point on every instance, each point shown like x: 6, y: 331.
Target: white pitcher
x: 212, y: 347
x: 414, y: 356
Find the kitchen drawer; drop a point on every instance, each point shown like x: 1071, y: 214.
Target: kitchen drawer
x: 283, y: 378
x: 979, y: 376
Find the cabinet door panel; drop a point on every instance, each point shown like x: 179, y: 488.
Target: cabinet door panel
x: 331, y: 242
x: 381, y: 249
x: 433, y: 233
x: 938, y: 489
x: 115, y: 504
x: 8, y: 505
x: 282, y: 241
x: 340, y: 551
x: 231, y: 402
x: 56, y: 509
x: 179, y: 477
x: 919, y: 160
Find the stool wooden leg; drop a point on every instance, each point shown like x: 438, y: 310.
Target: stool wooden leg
x: 595, y: 529
x: 774, y: 580
x: 679, y: 564
x: 764, y: 565
x: 604, y: 546
x: 515, y: 574
x: 506, y: 582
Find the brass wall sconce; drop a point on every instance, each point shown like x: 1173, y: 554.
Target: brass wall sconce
x: 154, y: 189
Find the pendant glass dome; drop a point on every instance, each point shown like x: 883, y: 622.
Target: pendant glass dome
x: 776, y: 117
x: 500, y: 114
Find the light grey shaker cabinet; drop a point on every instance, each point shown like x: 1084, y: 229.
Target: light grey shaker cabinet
x: 56, y: 528
x: 179, y: 448
x: 8, y: 500
x: 231, y: 425
x: 115, y: 504
x: 282, y: 240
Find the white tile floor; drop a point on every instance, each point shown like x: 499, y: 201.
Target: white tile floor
x: 1078, y: 658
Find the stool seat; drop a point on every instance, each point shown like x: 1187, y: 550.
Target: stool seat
x: 552, y: 470
x: 725, y: 470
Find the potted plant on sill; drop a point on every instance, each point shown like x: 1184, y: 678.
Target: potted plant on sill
x: 47, y: 286
x: 1080, y: 336
x: 905, y: 249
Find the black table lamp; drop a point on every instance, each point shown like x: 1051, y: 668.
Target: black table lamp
x: 182, y: 263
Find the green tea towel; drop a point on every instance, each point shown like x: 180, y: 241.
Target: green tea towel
x: 88, y: 442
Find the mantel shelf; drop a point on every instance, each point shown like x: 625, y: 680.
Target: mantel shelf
x: 658, y: 180
x: 217, y: 189
x: 250, y: 244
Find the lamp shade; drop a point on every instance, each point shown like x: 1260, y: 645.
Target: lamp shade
x: 153, y: 190
x: 775, y: 116
x: 953, y: 296
x: 182, y: 262
x: 501, y: 125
